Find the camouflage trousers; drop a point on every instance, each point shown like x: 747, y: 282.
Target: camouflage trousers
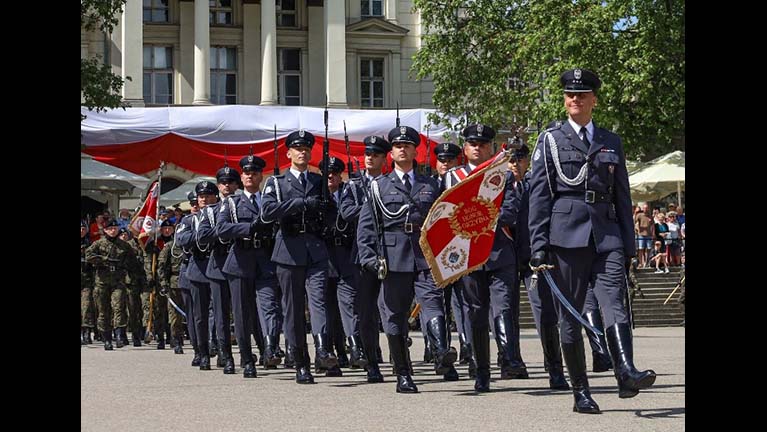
x: 159, y: 311
x: 87, y: 307
x: 135, y: 310
x: 110, y: 305
x: 175, y: 318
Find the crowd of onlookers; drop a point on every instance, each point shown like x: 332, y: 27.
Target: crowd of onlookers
x: 660, y: 236
x: 96, y: 223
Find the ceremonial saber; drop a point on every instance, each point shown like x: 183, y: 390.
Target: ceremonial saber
x: 563, y: 301
x: 175, y: 306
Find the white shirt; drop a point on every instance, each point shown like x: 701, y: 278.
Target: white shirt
x: 401, y: 175
x: 296, y: 173
x: 577, y: 128
x: 257, y: 194
x: 471, y: 167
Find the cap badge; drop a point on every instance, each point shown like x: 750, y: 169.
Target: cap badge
x: 301, y: 133
x: 577, y: 74
x: 373, y: 139
x: 480, y: 128
x: 226, y: 170
x: 403, y: 130
x: 250, y: 159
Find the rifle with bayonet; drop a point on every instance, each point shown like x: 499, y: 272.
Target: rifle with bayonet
x: 276, y: 155
x: 382, y: 266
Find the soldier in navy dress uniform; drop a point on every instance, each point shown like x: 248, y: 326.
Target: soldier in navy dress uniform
x: 227, y: 180
x: 490, y: 289
x: 354, y: 198
x: 294, y: 200
x: 207, y: 195
x: 540, y: 298
x: 402, y: 200
x: 248, y: 267
x: 183, y: 237
x: 581, y: 222
x: 343, y: 318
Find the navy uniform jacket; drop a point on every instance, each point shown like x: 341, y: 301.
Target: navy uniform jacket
x: 566, y: 219
x: 219, y: 250
x: 340, y: 254
x: 403, y: 253
x: 182, y: 236
x: 352, y: 201
x: 297, y: 249
x: 198, y: 263
x: 502, y: 254
x: 521, y: 230
x: 243, y: 257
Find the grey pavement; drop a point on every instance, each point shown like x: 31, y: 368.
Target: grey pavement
x: 138, y: 389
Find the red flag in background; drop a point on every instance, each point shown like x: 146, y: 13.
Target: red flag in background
x: 460, y: 228
x: 143, y: 224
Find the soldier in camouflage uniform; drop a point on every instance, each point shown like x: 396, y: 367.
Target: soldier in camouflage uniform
x: 634, y: 288
x: 160, y: 303
x: 87, y: 307
x: 168, y: 265
x: 112, y: 258
x: 134, y: 290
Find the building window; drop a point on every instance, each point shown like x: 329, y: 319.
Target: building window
x: 223, y: 75
x: 221, y: 12
x: 372, y: 8
x: 156, y: 11
x: 289, y: 76
x: 158, y: 74
x: 372, y: 82
x: 286, y: 13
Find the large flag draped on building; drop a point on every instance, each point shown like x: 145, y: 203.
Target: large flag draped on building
x: 143, y: 224
x: 460, y: 228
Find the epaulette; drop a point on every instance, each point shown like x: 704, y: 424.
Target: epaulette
x: 455, y: 168
x: 556, y: 124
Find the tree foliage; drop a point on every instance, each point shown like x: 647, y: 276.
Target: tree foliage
x: 500, y: 62
x: 99, y: 87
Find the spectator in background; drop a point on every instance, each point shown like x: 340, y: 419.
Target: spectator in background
x: 124, y: 220
x: 164, y: 215
x: 96, y: 229
x: 643, y: 227
x: 658, y: 256
x: 177, y: 215
x: 673, y: 240
x: 661, y: 232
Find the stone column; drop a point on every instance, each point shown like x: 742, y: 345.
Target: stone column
x: 250, y: 93
x: 335, y: 53
x: 316, y: 51
x: 186, y: 52
x: 201, y: 52
x: 268, y: 53
x: 133, y: 53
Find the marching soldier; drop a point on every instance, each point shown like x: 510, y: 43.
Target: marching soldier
x: 294, y: 199
x: 249, y: 270
x: 541, y: 302
x: 168, y: 267
x: 134, y: 290
x: 112, y: 258
x: 183, y: 239
x: 581, y: 222
x: 159, y: 310
x: 227, y: 181
x: 87, y: 307
x: 447, y: 158
x: 354, y: 198
x: 490, y: 289
x: 207, y: 194
x: 402, y: 200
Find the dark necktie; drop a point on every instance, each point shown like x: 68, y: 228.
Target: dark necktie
x: 302, y: 179
x: 585, y: 136
x: 253, y: 200
x: 408, y: 186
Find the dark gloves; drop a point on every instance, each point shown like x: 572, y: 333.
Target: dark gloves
x: 312, y: 202
x: 254, y: 226
x: 371, y: 266
x: 538, y: 259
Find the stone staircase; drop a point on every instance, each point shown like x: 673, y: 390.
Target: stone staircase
x: 648, y: 311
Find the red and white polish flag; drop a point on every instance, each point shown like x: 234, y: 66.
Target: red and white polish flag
x: 143, y: 224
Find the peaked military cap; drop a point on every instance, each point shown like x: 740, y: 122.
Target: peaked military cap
x: 300, y: 138
x: 111, y: 223
x: 166, y: 223
x: 447, y: 150
x: 227, y: 173
x: 83, y: 224
x: 521, y: 152
x: 579, y: 81
x: 376, y: 144
x: 478, y: 132
x: 252, y: 163
x: 404, y: 134
x: 192, y: 197
x: 205, y: 187
x: 336, y: 165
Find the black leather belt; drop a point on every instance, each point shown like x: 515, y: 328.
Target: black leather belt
x: 588, y: 196
x: 407, y: 228
x: 294, y: 229
x: 254, y: 243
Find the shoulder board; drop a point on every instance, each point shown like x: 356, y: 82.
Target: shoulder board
x: 554, y: 125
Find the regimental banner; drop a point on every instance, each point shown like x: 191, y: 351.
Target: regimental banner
x: 458, y: 234
x: 143, y: 224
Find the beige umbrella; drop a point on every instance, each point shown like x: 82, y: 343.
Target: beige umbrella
x: 658, y: 178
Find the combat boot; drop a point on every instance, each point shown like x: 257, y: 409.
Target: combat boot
x: 120, y: 336
x: 552, y: 357
x: 228, y: 361
x: 160, y: 341
x: 270, y: 351
x: 630, y: 380
x: 465, y: 353
x: 400, y: 358
x: 204, y: 356
x: 359, y: 359
x: 508, y: 357
x: 575, y: 358
x: 324, y: 359
x: 107, y: 337
x: 481, y: 344
x: 444, y: 354
x: 290, y: 358
x: 196, y: 359
x: 599, y: 353
x: 136, y: 337
x: 178, y: 349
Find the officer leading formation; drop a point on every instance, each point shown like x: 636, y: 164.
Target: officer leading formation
x: 351, y: 257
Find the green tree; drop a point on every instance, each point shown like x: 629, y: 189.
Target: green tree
x: 99, y: 87
x: 500, y: 62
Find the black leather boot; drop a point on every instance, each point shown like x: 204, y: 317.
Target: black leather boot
x: 136, y: 337
x: 178, y: 349
x: 444, y: 354
x: 481, y: 339
x: 228, y: 359
x: 516, y: 359
x: 599, y: 353
x: 249, y: 364
x: 630, y: 380
x: 575, y: 358
x: 270, y: 351
x: 359, y: 359
x: 120, y: 336
x: 428, y: 356
x: 465, y: 353
x: 400, y: 358
x: 504, y: 333
x: 303, y: 375
x: 290, y: 358
x: 107, y: 337
x: 204, y: 356
x: 371, y: 350
x: 552, y: 357
x: 324, y: 358
x: 221, y: 358
x: 160, y: 340
x: 212, y: 347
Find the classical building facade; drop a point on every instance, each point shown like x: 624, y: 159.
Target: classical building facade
x: 352, y: 53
